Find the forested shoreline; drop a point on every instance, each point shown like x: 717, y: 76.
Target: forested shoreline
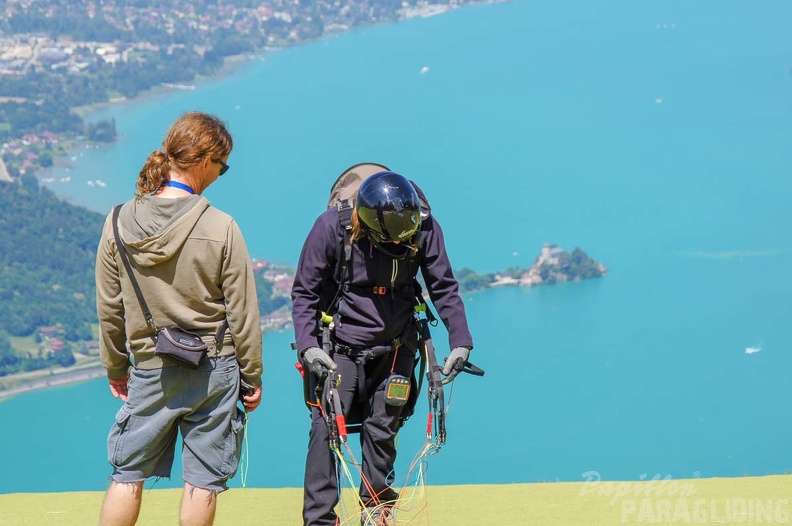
x: 47, y: 288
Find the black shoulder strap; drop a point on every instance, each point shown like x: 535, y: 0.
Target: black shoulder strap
x: 125, y: 260
x: 345, y: 220
x: 345, y: 256
x: 221, y: 332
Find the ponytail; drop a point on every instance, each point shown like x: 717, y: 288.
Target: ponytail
x: 357, y: 230
x: 153, y: 174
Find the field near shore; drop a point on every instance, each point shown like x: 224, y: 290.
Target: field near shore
x: 20, y: 383
x: 745, y: 500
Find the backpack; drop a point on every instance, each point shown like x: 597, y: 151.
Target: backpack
x: 345, y: 189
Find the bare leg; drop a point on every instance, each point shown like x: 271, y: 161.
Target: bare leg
x: 197, y: 506
x: 121, y: 504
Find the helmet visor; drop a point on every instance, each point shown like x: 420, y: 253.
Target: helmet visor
x: 387, y: 226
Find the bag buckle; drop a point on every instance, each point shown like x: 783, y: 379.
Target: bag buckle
x: 381, y: 291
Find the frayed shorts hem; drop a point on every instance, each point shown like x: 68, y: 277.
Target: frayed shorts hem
x: 216, y: 488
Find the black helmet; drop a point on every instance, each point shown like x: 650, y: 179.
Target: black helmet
x: 388, y: 208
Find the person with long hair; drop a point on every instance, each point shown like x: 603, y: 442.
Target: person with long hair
x: 193, y: 271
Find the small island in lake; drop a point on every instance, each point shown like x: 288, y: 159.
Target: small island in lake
x: 553, y: 265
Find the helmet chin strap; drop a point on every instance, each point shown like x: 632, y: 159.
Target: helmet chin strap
x: 406, y: 249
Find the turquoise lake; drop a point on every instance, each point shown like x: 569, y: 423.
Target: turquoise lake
x: 656, y: 136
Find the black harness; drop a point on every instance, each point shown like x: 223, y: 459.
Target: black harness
x: 412, y: 338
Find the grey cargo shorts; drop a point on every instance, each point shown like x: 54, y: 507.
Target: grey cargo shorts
x: 198, y: 403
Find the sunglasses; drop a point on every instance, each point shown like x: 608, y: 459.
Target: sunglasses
x: 223, y: 166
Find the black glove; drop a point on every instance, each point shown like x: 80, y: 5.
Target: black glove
x: 455, y: 363
x: 319, y: 363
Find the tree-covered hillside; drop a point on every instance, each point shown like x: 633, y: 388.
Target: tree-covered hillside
x: 47, y: 254
x: 47, y: 258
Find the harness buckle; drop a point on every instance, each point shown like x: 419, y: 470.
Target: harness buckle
x: 381, y: 291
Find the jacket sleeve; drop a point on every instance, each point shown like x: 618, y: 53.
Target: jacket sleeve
x: 110, y: 307
x: 315, y: 267
x: 443, y: 288
x: 242, y: 309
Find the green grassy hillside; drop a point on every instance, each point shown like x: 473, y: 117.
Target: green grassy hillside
x: 747, y: 500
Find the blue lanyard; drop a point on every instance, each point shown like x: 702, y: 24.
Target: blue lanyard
x: 177, y: 184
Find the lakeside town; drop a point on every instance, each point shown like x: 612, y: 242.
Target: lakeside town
x: 58, y: 59
x: 57, y: 56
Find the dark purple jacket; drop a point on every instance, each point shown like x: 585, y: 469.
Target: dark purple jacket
x: 363, y: 318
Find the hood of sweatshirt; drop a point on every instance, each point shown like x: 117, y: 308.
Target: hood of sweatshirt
x: 153, y: 229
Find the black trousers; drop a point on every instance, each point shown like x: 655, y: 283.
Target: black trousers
x: 380, y: 423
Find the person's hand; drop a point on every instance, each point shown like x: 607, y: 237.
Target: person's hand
x: 119, y: 387
x: 455, y: 363
x: 318, y: 361
x: 251, y: 402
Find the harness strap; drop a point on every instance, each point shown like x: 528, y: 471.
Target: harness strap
x: 365, y: 354
x: 345, y: 220
x: 404, y: 290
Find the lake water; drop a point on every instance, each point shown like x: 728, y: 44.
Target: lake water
x: 654, y: 135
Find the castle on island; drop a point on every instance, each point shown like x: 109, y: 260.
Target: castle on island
x: 554, y: 265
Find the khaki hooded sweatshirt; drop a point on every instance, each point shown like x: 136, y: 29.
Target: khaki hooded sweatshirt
x: 194, y: 271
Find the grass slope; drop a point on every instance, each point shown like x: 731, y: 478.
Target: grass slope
x: 747, y: 500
